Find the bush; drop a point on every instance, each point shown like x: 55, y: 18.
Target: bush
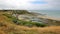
x: 40, y: 24
x: 31, y: 24
x: 21, y: 12
x: 2, y: 24
x: 8, y: 15
x: 15, y: 21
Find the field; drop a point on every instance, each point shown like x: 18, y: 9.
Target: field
x: 8, y: 27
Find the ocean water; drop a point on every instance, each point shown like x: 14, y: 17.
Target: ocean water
x: 51, y: 13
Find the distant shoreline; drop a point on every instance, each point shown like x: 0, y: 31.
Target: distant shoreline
x: 50, y: 13
x: 48, y: 17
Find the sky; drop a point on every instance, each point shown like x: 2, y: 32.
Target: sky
x: 30, y: 4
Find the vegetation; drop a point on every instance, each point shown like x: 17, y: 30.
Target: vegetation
x: 25, y: 23
x: 22, y: 12
x: 8, y: 26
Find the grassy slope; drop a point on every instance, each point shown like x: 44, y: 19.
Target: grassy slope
x: 8, y: 27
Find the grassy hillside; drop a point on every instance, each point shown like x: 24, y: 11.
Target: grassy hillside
x: 22, y: 22
x: 7, y: 26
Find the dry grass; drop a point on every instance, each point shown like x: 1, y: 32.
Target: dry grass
x: 8, y: 27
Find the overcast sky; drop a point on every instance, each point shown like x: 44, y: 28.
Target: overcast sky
x: 30, y: 4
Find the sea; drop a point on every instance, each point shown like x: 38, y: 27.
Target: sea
x: 51, y: 13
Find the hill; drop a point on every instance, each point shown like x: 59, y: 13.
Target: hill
x: 8, y: 27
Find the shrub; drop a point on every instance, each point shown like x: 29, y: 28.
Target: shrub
x: 21, y: 12
x: 15, y: 21
x: 31, y: 24
x: 40, y: 24
x: 8, y: 15
x: 2, y: 24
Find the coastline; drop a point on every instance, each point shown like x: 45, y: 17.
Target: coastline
x: 50, y: 13
x: 36, y: 17
x: 48, y: 17
x: 40, y: 15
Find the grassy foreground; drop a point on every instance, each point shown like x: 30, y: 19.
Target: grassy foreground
x: 8, y: 27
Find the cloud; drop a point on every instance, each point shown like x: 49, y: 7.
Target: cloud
x: 55, y: 4
x: 30, y: 4
x: 13, y: 4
